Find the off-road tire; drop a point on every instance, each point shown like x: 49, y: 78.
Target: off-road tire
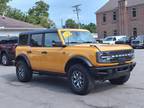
x: 23, y: 72
x: 5, y: 59
x: 87, y: 82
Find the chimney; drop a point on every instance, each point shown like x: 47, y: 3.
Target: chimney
x: 123, y: 17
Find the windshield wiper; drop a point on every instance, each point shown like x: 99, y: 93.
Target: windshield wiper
x: 74, y: 42
x: 88, y: 42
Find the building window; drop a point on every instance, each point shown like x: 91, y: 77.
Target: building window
x: 115, y: 33
x: 135, y: 32
x: 114, y: 16
x: 105, y: 34
x: 104, y: 17
x: 134, y: 12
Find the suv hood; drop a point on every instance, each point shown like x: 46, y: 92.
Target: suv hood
x: 106, y: 47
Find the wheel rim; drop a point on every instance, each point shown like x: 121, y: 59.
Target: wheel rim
x: 4, y: 60
x: 78, y: 79
x: 21, y: 72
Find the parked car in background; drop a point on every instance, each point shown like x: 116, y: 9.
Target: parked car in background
x: 124, y: 40
x: 99, y: 40
x: 7, y: 50
x: 138, y: 42
x: 112, y: 39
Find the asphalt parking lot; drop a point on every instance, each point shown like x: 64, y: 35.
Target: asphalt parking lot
x: 50, y: 92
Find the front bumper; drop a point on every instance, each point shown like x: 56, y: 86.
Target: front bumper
x: 106, y: 73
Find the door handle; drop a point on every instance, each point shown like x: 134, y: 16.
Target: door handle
x: 29, y: 52
x: 44, y: 52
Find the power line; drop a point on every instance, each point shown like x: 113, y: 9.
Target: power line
x: 77, y: 10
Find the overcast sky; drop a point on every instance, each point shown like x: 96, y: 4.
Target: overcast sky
x: 62, y: 9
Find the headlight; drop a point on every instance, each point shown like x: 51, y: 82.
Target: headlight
x: 104, y: 57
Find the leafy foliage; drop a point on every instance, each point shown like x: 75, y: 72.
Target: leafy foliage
x: 91, y: 27
x: 70, y: 23
x: 37, y: 15
x: 3, y: 6
x: 16, y: 14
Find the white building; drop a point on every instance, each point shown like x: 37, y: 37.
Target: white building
x: 12, y: 27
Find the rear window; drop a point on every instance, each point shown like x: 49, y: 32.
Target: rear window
x: 36, y: 40
x: 23, y: 39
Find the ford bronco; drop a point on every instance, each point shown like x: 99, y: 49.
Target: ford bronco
x: 72, y: 53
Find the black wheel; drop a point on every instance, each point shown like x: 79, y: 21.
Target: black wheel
x: 80, y: 81
x: 23, y: 72
x: 5, y: 60
x: 120, y: 80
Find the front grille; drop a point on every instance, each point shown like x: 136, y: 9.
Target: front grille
x: 121, y: 56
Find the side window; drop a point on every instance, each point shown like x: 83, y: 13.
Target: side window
x: 23, y: 39
x: 36, y: 40
x: 50, y: 38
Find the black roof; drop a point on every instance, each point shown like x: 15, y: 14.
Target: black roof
x: 39, y: 31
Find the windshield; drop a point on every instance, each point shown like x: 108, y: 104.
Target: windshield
x: 75, y: 37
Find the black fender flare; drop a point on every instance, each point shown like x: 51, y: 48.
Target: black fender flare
x: 23, y: 57
x: 81, y: 58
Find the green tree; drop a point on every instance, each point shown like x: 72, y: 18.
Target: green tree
x: 39, y: 14
x: 70, y: 23
x: 3, y: 6
x: 91, y: 27
x: 15, y: 13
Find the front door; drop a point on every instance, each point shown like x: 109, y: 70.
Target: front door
x: 53, y: 57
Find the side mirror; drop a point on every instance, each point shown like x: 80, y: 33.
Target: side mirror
x: 57, y: 44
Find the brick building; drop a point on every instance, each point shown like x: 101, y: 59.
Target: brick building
x: 121, y: 17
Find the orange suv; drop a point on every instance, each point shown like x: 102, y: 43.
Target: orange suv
x: 72, y: 53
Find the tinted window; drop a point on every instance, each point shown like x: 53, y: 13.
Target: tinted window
x: 23, y: 39
x: 36, y: 40
x: 50, y: 38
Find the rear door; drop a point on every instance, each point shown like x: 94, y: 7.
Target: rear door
x: 35, y: 52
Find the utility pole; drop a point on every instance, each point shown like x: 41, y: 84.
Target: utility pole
x: 77, y: 10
